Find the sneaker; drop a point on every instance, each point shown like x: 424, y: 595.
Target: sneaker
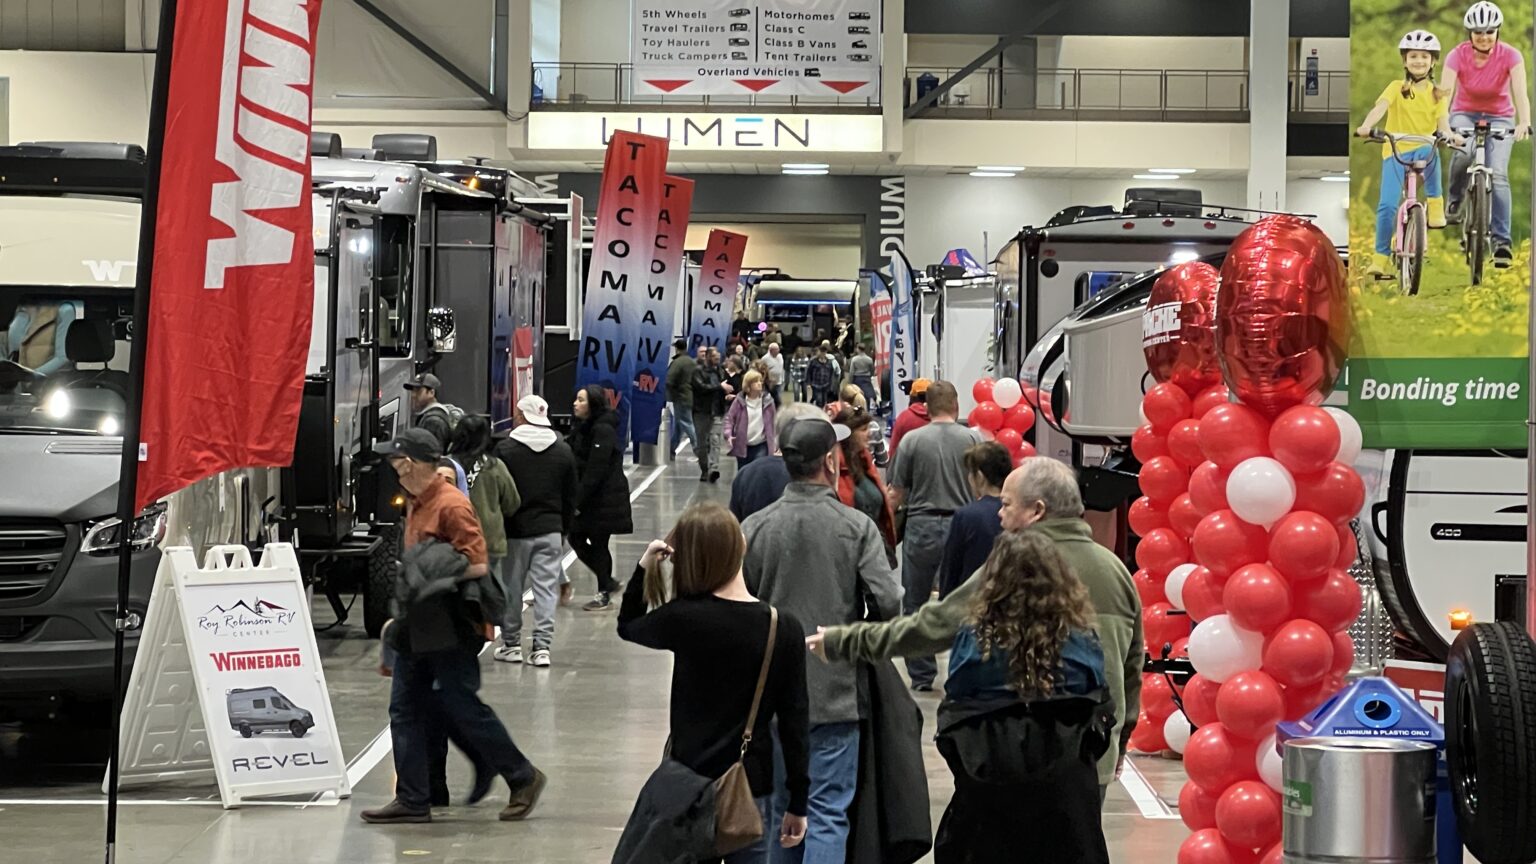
x: 1503, y: 257
x: 1453, y: 212
x: 714, y: 476
x: 598, y: 603
x: 567, y: 591
x: 1380, y: 267
x: 509, y: 653
x: 540, y: 658
x: 1434, y: 210
x: 525, y: 798
x: 395, y: 813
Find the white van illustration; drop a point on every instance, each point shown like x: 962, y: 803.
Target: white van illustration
x: 254, y: 710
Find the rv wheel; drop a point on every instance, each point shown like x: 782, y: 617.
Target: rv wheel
x: 298, y: 729
x: 1490, y: 733
x: 245, y: 730
x: 380, y: 585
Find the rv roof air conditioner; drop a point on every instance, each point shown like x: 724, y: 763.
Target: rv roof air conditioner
x: 326, y: 144
x: 90, y: 150
x: 1149, y: 201
x: 407, y: 147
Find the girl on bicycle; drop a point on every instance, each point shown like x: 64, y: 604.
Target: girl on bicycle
x: 1486, y: 82
x: 1411, y: 106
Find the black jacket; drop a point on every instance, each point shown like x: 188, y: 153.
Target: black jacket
x: 707, y: 394
x: 602, y: 502
x: 680, y: 380
x: 673, y: 821
x: 549, y: 505
x: 436, y: 607
x: 891, y: 816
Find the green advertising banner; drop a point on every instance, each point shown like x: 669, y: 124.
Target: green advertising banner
x: 1440, y: 233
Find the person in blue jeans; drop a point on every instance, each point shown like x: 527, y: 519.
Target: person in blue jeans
x: 1486, y: 78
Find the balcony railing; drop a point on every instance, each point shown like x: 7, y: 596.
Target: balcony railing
x: 587, y: 86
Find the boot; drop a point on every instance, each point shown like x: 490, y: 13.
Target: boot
x: 1380, y: 266
x: 1434, y: 209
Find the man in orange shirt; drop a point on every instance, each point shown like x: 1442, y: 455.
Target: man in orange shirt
x: 439, y: 642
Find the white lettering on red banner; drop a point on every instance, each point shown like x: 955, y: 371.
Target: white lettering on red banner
x: 246, y: 661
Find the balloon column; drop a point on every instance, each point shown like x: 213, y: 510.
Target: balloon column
x: 1002, y: 415
x: 1248, y: 492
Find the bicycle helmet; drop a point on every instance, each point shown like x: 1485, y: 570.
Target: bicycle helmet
x: 1483, y: 16
x: 1420, y: 40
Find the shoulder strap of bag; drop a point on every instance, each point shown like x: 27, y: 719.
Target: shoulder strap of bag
x: 762, y: 678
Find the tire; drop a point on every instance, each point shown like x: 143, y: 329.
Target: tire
x: 1411, y: 259
x: 1481, y: 222
x: 1490, y: 733
x: 379, y: 581
x: 246, y: 731
x: 297, y: 729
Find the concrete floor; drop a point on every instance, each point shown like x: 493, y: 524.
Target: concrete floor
x: 595, y: 723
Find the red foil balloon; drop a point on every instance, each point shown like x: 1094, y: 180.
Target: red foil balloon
x: 1283, y: 321
x: 1178, y: 330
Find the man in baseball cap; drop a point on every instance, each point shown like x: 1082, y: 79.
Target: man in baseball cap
x: 417, y: 445
x: 428, y: 413
x: 916, y: 415
x: 808, y: 442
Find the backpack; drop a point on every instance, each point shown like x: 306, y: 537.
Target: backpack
x: 453, y: 412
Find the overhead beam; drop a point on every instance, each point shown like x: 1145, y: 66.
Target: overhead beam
x: 410, y: 37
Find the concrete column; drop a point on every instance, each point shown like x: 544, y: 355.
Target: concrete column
x: 519, y: 70
x: 1269, y: 28
x: 893, y: 69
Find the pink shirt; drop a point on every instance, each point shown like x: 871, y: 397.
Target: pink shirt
x: 1483, y: 89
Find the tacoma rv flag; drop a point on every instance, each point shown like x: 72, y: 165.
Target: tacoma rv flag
x: 658, y: 310
x: 715, y: 295
x: 233, y: 275
x: 880, y: 315
x: 903, y: 333
x: 628, y: 205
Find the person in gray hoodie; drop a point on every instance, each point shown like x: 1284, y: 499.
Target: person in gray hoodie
x: 545, y: 466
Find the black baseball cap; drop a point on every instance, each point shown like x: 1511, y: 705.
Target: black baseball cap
x: 808, y: 441
x: 415, y: 444
x: 425, y: 380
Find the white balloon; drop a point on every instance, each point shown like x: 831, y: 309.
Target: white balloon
x: 1220, y: 649
x: 1267, y: 760
x: 1350, y: 436
x: 1176, y: 731
x: 1173, y: 586
x: 1260, y: 490
x: 1007, y: 393
x: 985, y: 433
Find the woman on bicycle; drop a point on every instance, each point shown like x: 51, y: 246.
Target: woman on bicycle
x: 1412, y: 106
x: 1486, y: 82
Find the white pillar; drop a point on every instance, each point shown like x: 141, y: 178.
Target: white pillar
x: 1269, y: 28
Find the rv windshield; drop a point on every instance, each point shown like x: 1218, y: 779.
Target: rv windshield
x: 63, y: 361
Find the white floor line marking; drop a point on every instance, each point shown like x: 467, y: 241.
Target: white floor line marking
x: 124, y: 802
x: 570, y: 557
x: 1147, y: 800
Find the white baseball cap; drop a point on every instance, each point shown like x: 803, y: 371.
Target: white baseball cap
x: 535, y: 410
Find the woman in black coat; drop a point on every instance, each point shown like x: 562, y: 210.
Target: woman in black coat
x: 602, y: 504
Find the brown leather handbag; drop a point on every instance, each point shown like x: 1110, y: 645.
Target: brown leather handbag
x: 738, y: 824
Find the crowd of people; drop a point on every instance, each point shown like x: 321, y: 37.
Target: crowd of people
x: 783, y: 613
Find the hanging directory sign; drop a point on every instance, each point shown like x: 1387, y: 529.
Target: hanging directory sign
x: 740, y: 47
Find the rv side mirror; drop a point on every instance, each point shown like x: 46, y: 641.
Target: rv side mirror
x: 441, y: 330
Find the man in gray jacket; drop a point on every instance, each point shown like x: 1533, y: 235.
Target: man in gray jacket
x: 821, y: 562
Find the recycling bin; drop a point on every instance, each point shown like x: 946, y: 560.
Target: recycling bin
x: 1359, y: 801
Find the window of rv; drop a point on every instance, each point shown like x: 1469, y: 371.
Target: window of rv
x: 393, y: 274
x: 63, y: 360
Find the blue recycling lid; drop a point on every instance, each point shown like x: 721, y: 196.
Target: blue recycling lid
x: 1367, y: 708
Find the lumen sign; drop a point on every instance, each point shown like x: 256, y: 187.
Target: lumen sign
x: 793, y: 133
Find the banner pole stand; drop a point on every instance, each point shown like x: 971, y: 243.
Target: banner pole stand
x: 128, y: 476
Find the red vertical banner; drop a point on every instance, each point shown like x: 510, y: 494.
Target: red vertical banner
x: 658, y: 311
x: 628, y: 206
x: 231, y: 298
x: 880, y: 315
x: 715, y: 295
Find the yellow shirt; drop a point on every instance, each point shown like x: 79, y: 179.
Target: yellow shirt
x: 1419, y: 115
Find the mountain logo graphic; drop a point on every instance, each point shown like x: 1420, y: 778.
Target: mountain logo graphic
x: 260, y: 608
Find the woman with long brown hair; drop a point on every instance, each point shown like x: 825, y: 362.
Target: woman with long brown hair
x: 858, y: 483
x: 718, y: 632
x: 1025, y: 715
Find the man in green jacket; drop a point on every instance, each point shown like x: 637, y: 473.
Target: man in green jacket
x: 1041, y: 495
x: 680, y: 395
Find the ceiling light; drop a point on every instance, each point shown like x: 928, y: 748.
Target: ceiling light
x: 807, y: 171
x: 993, y: 173
x: 1335, y: 178
x: 1182, y: 256
x: 1171, y: 170
x: 804, y: 166
x: 1156, y: 177
x: 1006, y: 169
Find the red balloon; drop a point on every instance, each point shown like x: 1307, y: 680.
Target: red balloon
x: 1147, y: 445
x: 1299, y: 653
x: 1011, y: 439
x: 1020, y: 418
x: 1208, y: 847
x: 1203, y: 595
x: 1215, y: 757
x: 1343, y: 655
x: 1161, y: 625
x: 1248, y: 815
x: 1223, y: 543
x: 1182, y: 515
x: 1179, y: 327
x: 1163, y: 479
x: 1148, y: 587
x: 1184, y: 444
x: 1209, y: 398
x: 981, y: 391
x: 1249, y: 704
x: 1283, y: 320
x: 1336, y: 493
x: 1299, y: 701
x: 1273, y: 855
x: 1232, y: 433
x: 986, y: 415
x: 1208, y: 488
x: 1304, y: 439
x: 1332, y: 604
x: 1165, y: 405
x: 1197, y: 806
x: 1180, y: 649
x: 1026, y: 450
x: 1160, y: 551
x: 1349, y: 547
x: 1146, y: 517
x: 1156, y: 698
x: 1199, y: 697
x: 1148, y: 736
x: 1257, y: 598
x: 1303, y: 546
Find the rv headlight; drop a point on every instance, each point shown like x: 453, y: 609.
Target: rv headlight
x: 148, y: 529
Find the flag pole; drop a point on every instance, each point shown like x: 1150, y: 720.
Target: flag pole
x: 128, y: 476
